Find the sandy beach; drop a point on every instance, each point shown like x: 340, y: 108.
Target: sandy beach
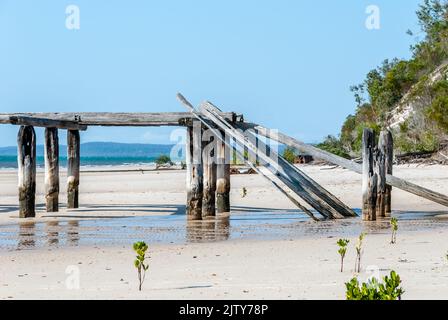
x: 265, y: 250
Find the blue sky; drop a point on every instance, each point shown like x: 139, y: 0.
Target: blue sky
x: 284, y: 64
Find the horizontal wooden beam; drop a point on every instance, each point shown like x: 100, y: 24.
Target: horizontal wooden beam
x: 112, y: 119
x: 41, y: 122
x: 345, y: 163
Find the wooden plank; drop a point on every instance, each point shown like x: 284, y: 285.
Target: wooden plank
x: 301, y: 146
x: 280, y: 167
x: 113, y: 119
x: 41, y: 122
x: 209, y: 143
x: 194, y: 171
x: 345, y: 163
x: 322, y: 198
x: 26, y: 156
x: 223, y: 175
x: 277, y: 166
x: 73, y: 168
x: 369, y: 177
x: 52, y: 169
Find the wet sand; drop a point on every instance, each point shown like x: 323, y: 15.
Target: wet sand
x: 265, y: 249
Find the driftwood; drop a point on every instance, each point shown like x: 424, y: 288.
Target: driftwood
x: 345, y: 163
x: 194, y: 172
x: 73, y: 167
x: 446, y: 157
x: 52, y: 169
x: 223, y: 176
x: 26, y: 156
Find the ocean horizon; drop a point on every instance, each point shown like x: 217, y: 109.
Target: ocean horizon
x: 94, y: 154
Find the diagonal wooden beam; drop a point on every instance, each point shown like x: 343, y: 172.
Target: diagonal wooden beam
x: 345, y: 163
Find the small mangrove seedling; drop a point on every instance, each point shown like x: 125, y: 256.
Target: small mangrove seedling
x: 374, y: 290
x: 359, y: 253
x: 394, y: 226
x: 243, y: 192
x: 342, y: 243
x: 140, y: 248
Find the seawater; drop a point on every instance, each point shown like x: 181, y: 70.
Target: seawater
x: 10, y: 162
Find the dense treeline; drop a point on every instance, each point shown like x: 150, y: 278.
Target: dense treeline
x: 414, y: 91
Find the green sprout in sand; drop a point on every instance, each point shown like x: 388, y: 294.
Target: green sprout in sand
x: 140, y: 248
x: 243, y: 192
x: 342, y: 243
x: 359, y: 253
x: 394, y: 226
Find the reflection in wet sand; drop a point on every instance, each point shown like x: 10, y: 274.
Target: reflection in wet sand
x: 52, y: 233
x: 176, y: 229
x: 73, y: 233
x: 27, y: 231
x: 208, y: 230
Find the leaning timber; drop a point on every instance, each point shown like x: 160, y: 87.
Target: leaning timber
x: 26, y: 157
x: 73, y: 168
x: 241, y: 153
x: 277, y: 166
x: 345, y: 163
x: 323, y: 198
x: 281, y: 171
x: 52, y: 169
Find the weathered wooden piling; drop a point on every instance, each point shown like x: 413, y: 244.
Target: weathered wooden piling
x: 73, y: 168
x: 389, y: 145
x: 52, y: 169
x: 223, y: 176
x: 209, y: 152
x: 26, y: 156
x: 380, y: 171
x: 369, y: 177
x: 194, y: 171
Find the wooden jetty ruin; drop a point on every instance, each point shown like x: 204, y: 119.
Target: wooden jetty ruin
x: 212, y: 136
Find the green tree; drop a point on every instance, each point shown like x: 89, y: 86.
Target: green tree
x: 163, y: 159
x: 289, y: 154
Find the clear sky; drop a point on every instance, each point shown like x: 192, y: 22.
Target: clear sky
x: 284, y: 64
